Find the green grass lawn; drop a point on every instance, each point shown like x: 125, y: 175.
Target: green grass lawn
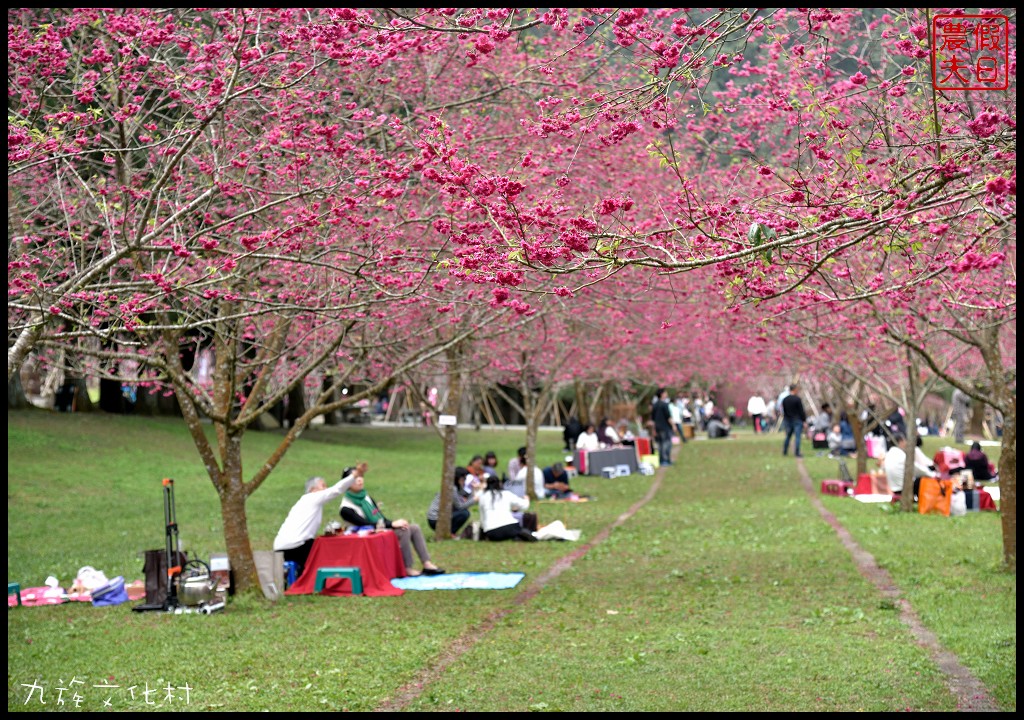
x: 726, y: 592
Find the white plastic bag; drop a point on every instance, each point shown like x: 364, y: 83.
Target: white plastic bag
x: 557, y: 531
x: 958, y: 504
x: 89, y: 578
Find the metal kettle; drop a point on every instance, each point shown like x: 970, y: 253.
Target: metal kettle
x: 196, y: 590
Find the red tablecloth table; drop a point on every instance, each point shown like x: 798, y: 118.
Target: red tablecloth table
x: 377, y: 556
x: 986, y: 500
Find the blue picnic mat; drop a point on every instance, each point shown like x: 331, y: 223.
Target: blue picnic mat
x: 460, y: 581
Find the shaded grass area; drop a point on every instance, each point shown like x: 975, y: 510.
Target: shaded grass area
x: 727, y: 592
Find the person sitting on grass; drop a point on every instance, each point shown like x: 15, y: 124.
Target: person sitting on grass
x: 476, y: 474
x: 588, y: 439
x: 895, y: 461
x: 515, y: 465
x: 496, y: 508
x: 978, y: 463
x: 848, y: 444
x: 626, y: 436
x: 491, y: 464
x: 606, y: 434
x: 835, y: 442
x: 556, y: 482
x: 460, y: 504
x: 517, y: 486
x: 718, y: 426
x: 822, y: 421
x: 299, y: 530
x: 358, y: 509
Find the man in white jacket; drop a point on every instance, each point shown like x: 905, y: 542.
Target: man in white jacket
x: 300, y: 528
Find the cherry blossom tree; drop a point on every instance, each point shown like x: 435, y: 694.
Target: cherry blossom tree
x: 287, y: 186
x: 233, y: 179
x: 957, y: 319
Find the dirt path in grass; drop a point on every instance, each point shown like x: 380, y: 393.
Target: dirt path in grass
x: 411, y: 690
x: 970, y: 692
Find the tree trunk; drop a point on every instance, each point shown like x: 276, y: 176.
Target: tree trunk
x: 296, y: 405
x: 858, y: 438
x: 83, y: 403
x: 17, y: 352
x: 332, y: 417
x: 225, y: 473
x: 16, y: 398
x: 581, y: 405
x: 595, y: 401
x: 844, y: 393
x: 1008, y: 485
x: 236, y: 531
x: 443, y: 531
x: 233, y: 494
x: 530, y: 417
x: 913, y: 403
x: 976, y: 422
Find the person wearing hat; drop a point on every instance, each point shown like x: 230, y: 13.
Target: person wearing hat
x: 570, y: 466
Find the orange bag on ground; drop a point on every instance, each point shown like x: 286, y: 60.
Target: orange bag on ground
x: 934, y: 496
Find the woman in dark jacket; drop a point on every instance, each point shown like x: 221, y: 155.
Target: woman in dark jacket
x: 460, y: 503
x: 978, y: 463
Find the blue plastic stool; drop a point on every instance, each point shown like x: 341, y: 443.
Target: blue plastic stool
x: 291, y: 570
x: 352, y: 573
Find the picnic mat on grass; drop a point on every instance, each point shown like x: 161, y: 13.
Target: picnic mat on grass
x: 35, y: 596
x: 992, y: 490
x: 887, y: 498
x: 460, y: 581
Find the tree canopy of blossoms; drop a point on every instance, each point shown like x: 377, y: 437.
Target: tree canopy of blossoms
x: 306, y: 191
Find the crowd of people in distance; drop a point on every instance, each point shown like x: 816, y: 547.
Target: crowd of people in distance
x: 835, y: 434
x: 503, y: 497
x: 671, y: 420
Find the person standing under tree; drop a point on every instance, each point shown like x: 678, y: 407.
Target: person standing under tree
x: 675, y: 410
x: 662, y: 418
x: 756, y: 409
x: 793, y: 418
x: 961, y: 407
x: 572, y: 430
